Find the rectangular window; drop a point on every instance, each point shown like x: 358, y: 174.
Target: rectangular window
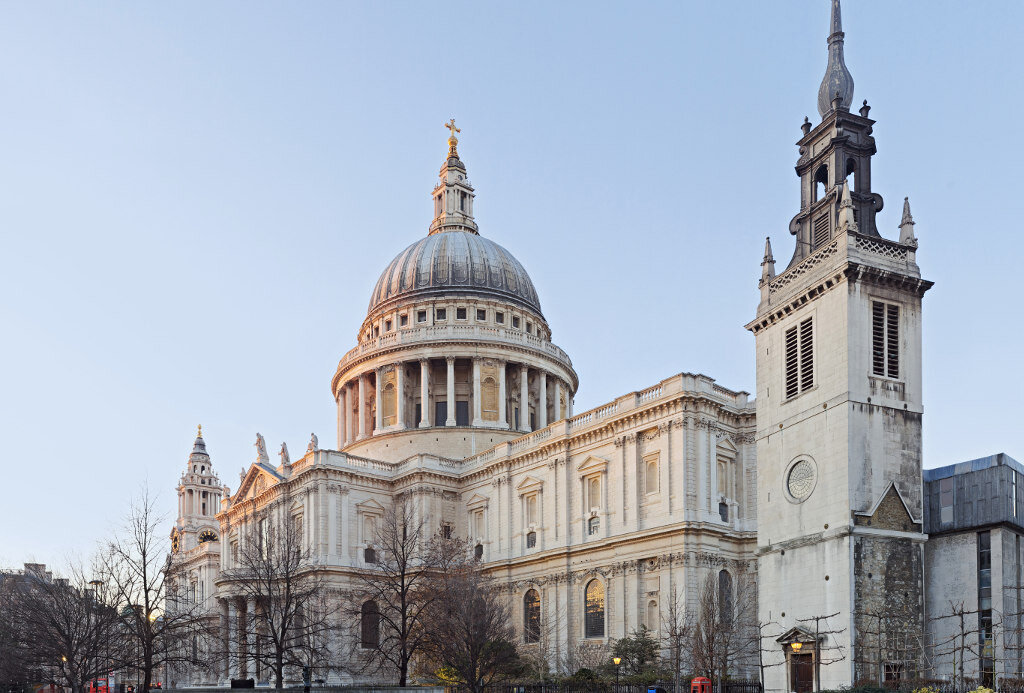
x: 529, y: 328
x: 1013, y: 492
x: 481, y: 315
x: 885, y: 339
x: 421, y: 316
x: 441, y: 314
x: 446, y: 531
x: 387, y: 325
x: 515, y: 322
x: 499, y: 318
x: 946, y: 500
x: 461, y: 413
x: 403, y: 320
x: 530, y: 509
x: 594, y: 492
x: 440, y: 413
x: 460, y: 313
x: 985, y: 641
x: 799, y: 351
x: 478, y: 524
x: 820, y: 231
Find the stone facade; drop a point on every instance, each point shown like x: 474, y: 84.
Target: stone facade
x: 456, y: 399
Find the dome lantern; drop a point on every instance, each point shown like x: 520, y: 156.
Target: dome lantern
x: 453, y: 195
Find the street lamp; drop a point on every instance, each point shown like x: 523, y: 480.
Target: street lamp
x: 617, y: 661
x: 797, y: 647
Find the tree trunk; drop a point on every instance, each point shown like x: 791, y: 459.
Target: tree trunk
x: 279, y: 671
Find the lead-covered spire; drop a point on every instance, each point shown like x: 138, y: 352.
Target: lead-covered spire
x: 837, y: 82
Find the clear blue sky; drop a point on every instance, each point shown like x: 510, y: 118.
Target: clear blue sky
x: 198, y: 197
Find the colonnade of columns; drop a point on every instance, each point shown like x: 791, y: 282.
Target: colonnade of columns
x: 362, y: 413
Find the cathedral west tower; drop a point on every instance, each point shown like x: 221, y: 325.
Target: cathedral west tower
x: 838, y: 339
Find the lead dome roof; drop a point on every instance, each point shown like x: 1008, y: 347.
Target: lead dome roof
x: 455, y: 262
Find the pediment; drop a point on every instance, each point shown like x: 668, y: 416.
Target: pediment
x: 591, y: 465
x: 257, y: 480
x: 370, y: 506
x: 477, y: 501
x: 796, y: 634
x: 528, y: 484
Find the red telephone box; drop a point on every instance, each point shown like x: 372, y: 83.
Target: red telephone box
x: 700, y: 685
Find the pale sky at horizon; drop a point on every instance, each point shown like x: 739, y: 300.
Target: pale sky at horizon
x: 197, y: 198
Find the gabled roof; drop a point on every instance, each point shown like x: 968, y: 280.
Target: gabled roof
x: 257, y: 471
x: 891, y: 489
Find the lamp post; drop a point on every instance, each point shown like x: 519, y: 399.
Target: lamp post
x: 617, y: 661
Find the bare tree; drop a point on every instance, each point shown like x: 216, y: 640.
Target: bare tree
x: 398, y: 588
x: 63, y: 630
x: 826, y: 650
x: 289, y: 625
x: 676, y: 638
x: 469, y: 627
x: 160, y: 627
x: 962, y: 642
x: 720, y: 633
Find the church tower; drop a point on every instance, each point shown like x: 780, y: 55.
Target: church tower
x: 838, y: 339
x: 199, y: 494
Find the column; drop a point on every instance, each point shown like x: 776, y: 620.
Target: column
x: 424, y: 393
x: 542, y: 400
x: 341, y: 418
x: 502, y: 405
x: 558, y: 400
x: 379, y: 401
x: 451, y: 392
x: 477, y: 409
x: 362, y: 407
x: 400, y: 395
x: 250, y: 622
x: 231, y: 638
x: 350, y: 422
x: 524, y: 398
x: 568, y: 402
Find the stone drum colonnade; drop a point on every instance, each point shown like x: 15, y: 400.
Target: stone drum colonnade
x: 449, y: 391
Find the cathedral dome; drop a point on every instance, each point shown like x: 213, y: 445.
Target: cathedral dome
x: 455, y: 262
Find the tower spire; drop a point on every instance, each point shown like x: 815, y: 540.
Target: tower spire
x: 907, y: 225
x: 768, y: 263
x: 837, y: 82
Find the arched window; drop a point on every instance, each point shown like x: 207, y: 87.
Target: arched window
x: 531, y: 616
x: 651, y: 476
x: 369, y: 623
x: 369, y: 555
x: 594, y: 610
x: 478, y: 551
x: 489, y: 399
x: 725, y: 595
x: 851, y: 173
x: 652, y: 615
x: 593, y: 525
x: 389, y: 404
x: 820, y: 182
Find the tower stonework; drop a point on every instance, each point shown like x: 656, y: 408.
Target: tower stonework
x: 838, y: 339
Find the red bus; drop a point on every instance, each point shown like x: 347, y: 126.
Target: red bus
x: 98, y: 686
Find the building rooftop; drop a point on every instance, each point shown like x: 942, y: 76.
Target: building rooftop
x: 1000, y: 458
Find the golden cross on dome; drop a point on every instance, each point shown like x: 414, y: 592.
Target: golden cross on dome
x: 200, y: 434
x: 451, y: 126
